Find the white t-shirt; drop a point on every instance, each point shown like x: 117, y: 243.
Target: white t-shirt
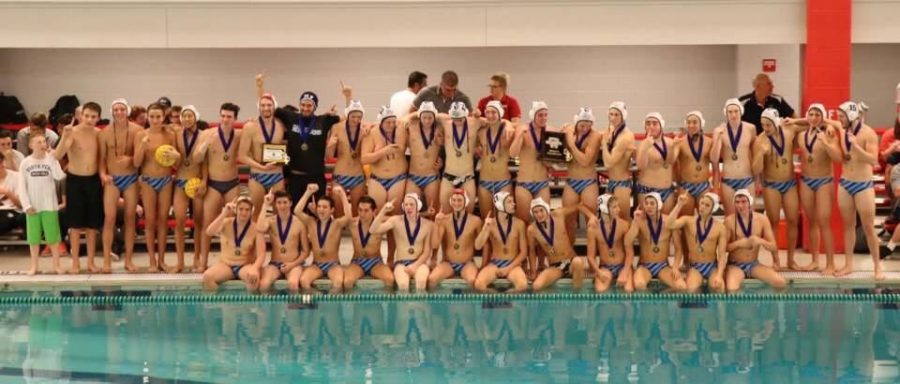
x: 402, y: 101
x: 14, y: 159
x: 10, y: 182
x: 37, y: 183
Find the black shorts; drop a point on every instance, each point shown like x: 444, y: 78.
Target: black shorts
x: 84, y: 201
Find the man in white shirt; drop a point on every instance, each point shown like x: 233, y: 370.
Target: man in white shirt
x: 401, y: 101
x: 12, y: 157
x: 11, y: 215
x: 37, y: 125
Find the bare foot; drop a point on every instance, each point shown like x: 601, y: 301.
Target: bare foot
x: 32, y: 272
x: 60, y: 270
x: 198, y: 268
x: 76, y: 269
x: 164, y: 268
x: 129, y: 267
x: 93, y: 268
x: 176, y: 269
x: 812, y: 266
x: 153, y: 268
x: 829, y: 270
x: 879, y: 275
x: 106, y: 269
x: 844, y: 271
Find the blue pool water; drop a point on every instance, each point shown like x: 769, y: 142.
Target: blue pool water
x: 469, y: 341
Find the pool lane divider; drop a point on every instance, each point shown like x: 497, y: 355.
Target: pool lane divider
x: 489, y: 300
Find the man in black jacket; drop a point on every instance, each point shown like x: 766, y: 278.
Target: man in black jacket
x: 307, y: 135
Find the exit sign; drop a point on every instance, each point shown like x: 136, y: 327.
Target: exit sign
x: 768, y: 65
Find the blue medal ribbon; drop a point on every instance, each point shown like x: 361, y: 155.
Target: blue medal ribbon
x: 412, y: 235
x: 283, y: 233
x: 492, y: 144
x: 734, y: 139
x: 538, y: 145
x: 350, y: 139
x: 615, y: 136
x: 810, y: 144
x: 458, y: 139
x: 322, y: 236
x: 457, y: 228
x: 225, y: 145
x: 268, y: 135
x: 189, y: 145
x: 426, y: 141
x: 779, y: 149
x: 239, y: 238
x: 610, y: 237
x: 549, y: 238
x: 654, y: 233
x: 701, y: 233
x: 363, y: 235
x: 748, y: 229
x: 698, y: 152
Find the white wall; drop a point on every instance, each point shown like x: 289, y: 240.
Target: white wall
x: 670, y: 79
x: 396, y: 23
x: 876, y: 72
x: 876, y: 21
x: 787, y: 76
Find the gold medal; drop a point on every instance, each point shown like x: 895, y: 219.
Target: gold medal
x: 458, y: 153
x: 846, y: 157
x: 552, y: 252
x: 411, y: 250
x: 225, y: 157
x: 455, y: 245
x: 699, y: 168
x: 187, y: 163
x: 493, y: 159
x: 700, y: 249
x: 283, y: 250
x: 304, y: 146
x: 363, y: 254
x: 655, y: 249
x: 734, y: 156
x: 353, y: 155
x: 612, y: 253
x: 666, y: 165
x: 783, y: 160
x: 809, y: 158
x: 237, y: 252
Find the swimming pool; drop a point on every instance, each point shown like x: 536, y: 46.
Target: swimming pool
x: 178, y: 335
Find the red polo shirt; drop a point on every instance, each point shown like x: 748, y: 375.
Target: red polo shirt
x: 511, y: 109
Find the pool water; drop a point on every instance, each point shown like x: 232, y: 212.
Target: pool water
x: 464, y: 341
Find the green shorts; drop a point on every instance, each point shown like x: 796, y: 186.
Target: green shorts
x: 44, y: 223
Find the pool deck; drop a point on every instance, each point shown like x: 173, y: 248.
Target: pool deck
x: 13, y: 265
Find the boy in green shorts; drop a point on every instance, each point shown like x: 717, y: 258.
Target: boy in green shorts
x: 38, y: 174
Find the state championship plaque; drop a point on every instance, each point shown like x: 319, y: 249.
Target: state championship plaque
x: 555, y: 150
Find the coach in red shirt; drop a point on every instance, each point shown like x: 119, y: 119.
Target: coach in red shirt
x: 498, y: 85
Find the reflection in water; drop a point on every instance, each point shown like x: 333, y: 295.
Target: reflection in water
x: 464, y: 342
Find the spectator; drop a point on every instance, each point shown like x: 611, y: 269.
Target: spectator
x: 12, y: 157
x: 37, y: 125
x: 138, y: 116
x: 498, y: 87
x: 402, y: 101
x: 11, y: 215
x: 174, y: 115
x: 760, y: 99
x: 442, y: 95
x: 889, y: 147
